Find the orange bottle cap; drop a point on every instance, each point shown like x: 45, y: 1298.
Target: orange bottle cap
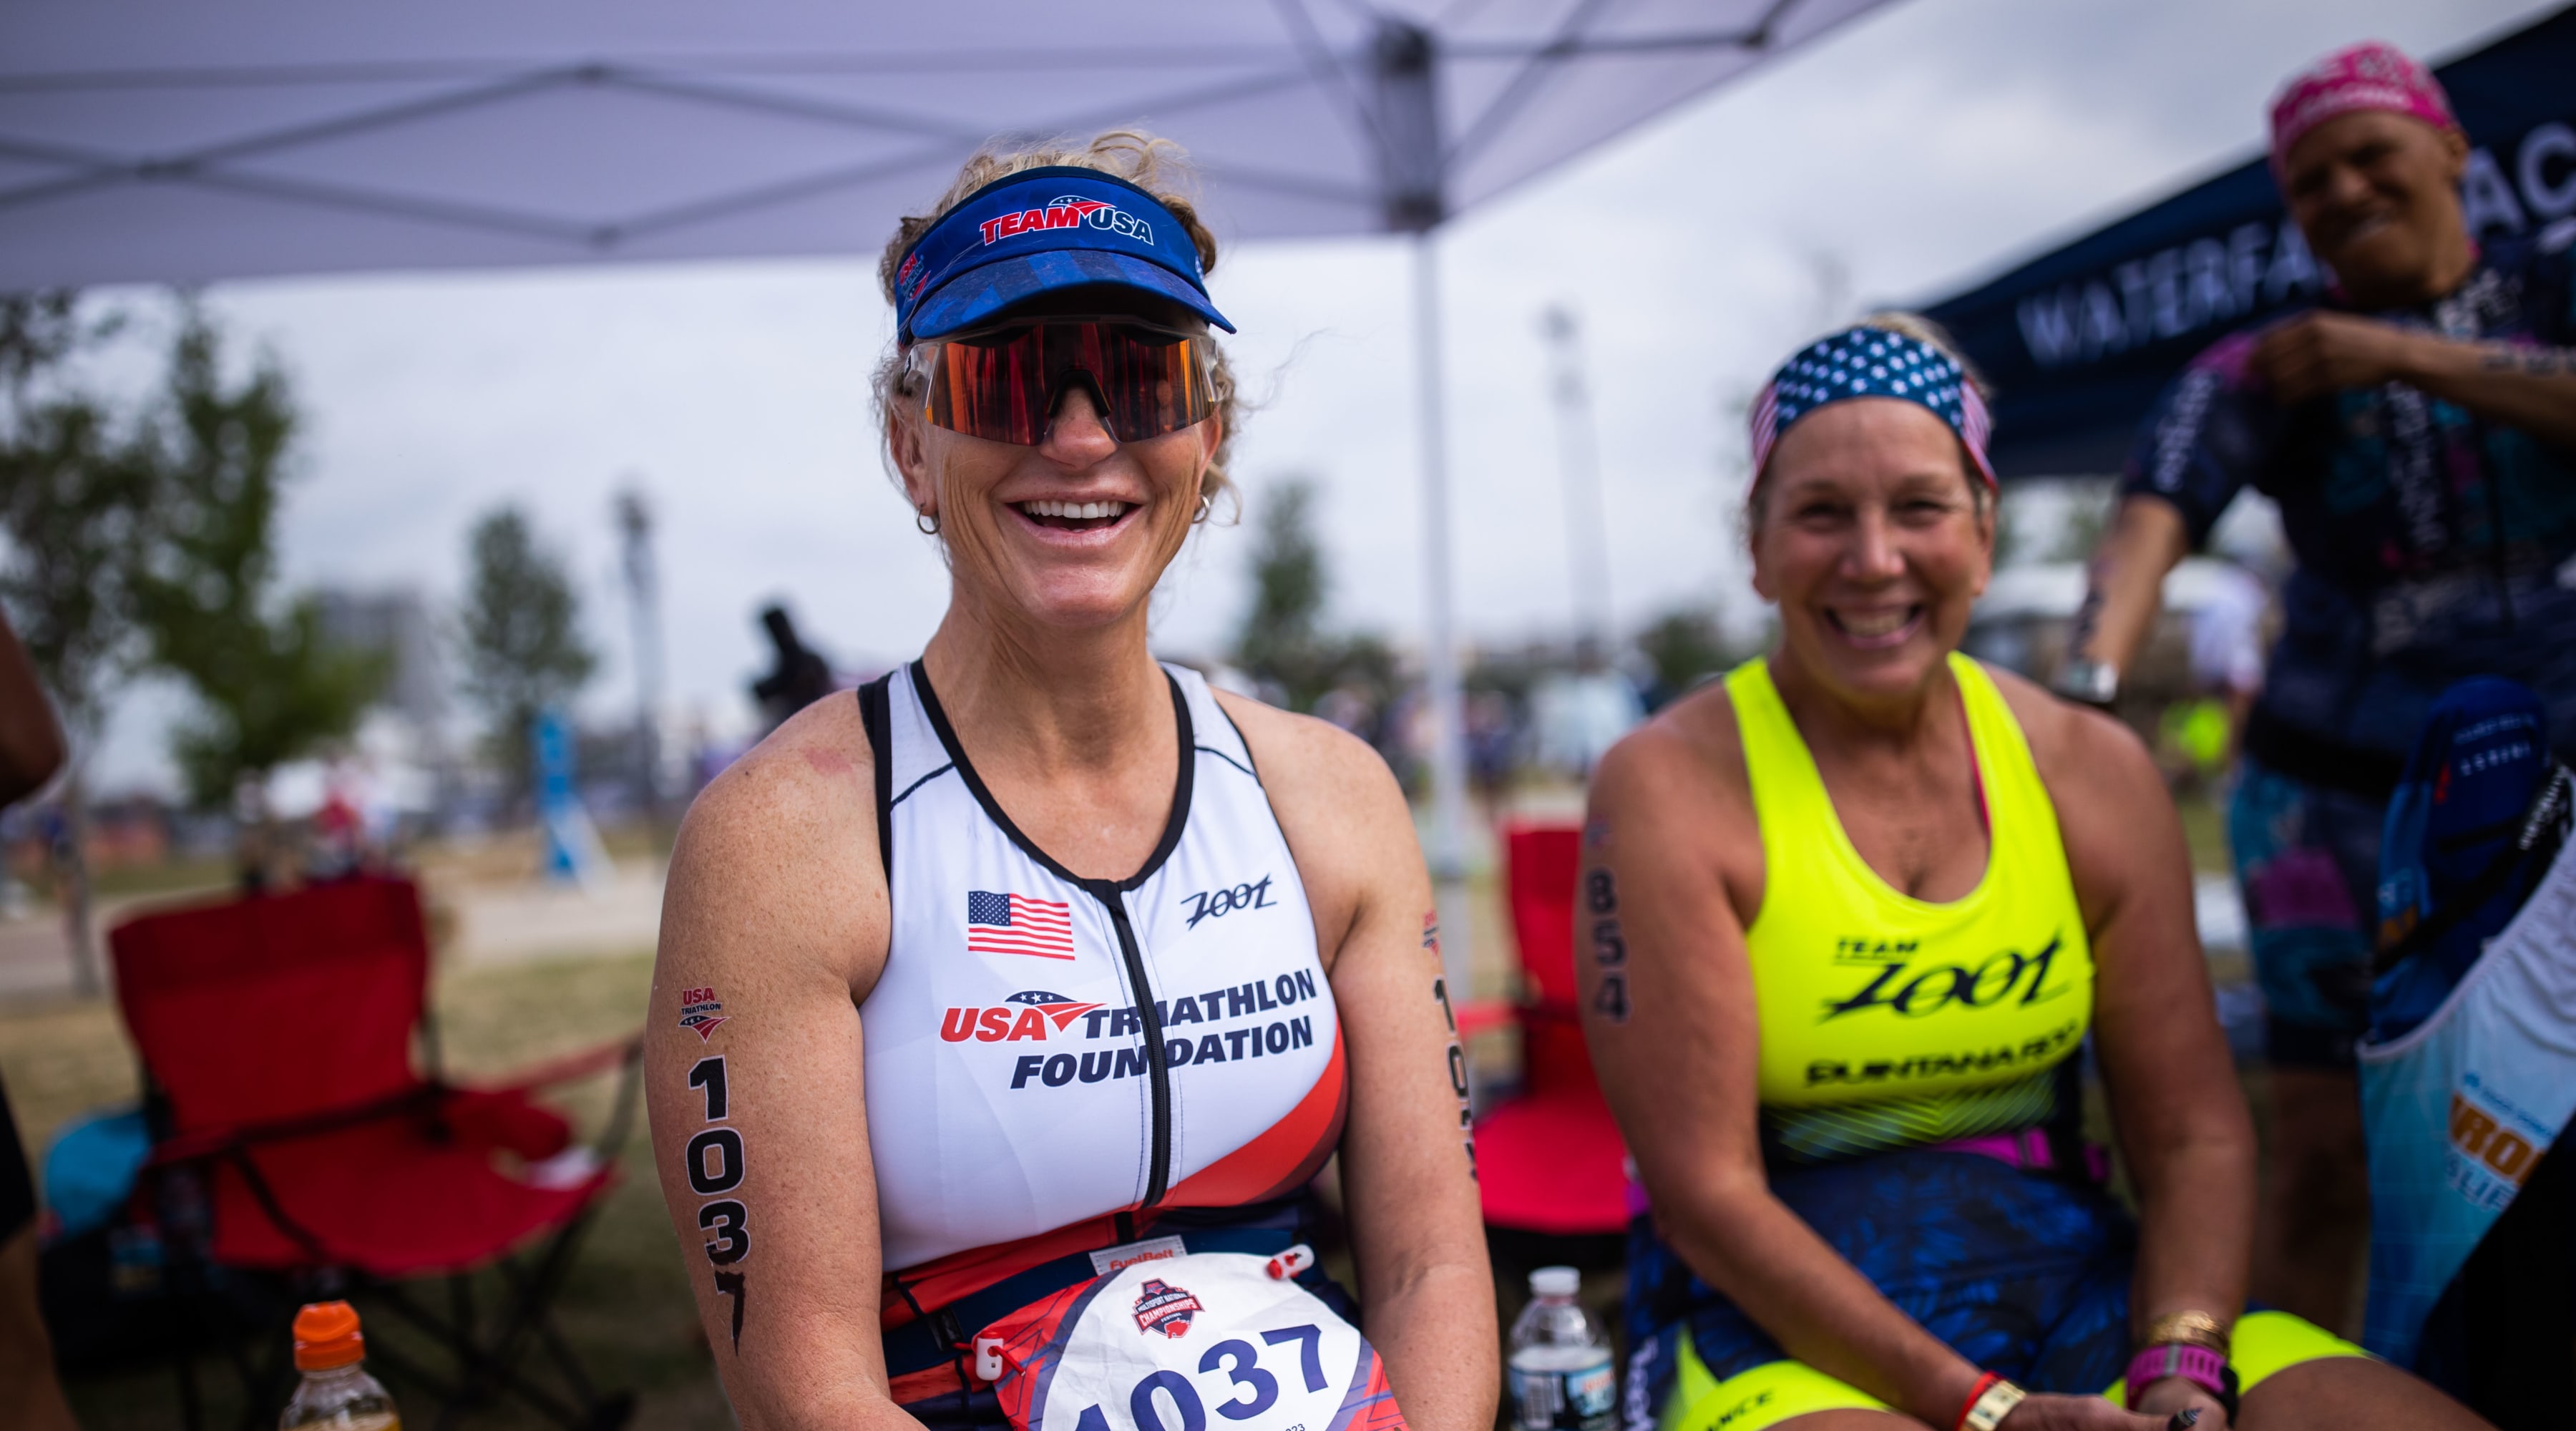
x: 326, y: 1335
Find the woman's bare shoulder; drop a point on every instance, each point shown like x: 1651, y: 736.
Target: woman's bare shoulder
x: 2114, y: 814
x: 1348, y: 826
x: 1687, y: 756
x: 780, y: 850
x: 2075, y: 747
x: 1301, y: 759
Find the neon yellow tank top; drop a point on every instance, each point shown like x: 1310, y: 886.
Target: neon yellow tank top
x: 1888, y: 1021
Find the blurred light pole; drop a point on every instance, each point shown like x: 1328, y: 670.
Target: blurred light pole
x: 1587, y: 531
x: 1448, y: 852
x: 644, y: 607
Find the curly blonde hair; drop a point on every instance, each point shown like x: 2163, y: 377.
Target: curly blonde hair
x: 1150, y: 162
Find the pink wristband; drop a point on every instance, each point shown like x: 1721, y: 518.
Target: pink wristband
x: 2198, y: 1365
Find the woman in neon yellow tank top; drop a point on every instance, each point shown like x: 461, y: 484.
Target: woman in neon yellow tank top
x: 1852, y: 919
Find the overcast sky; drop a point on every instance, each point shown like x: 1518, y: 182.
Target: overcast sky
x: 1929, y: 144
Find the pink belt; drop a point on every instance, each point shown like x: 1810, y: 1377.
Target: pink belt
x: 2027, y: 1150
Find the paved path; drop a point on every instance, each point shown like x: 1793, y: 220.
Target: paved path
x: 519, y: 923
x: 513, y: 923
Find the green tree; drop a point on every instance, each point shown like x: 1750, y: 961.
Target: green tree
x: 76, y: 497
x: 1684, y: 647
x: 76, y: 494
x: 1283, y: 641
x: 522, y: 635
x: 270, y: 686
x: 1278, y: 639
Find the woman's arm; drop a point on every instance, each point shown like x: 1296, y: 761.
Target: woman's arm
x: 1678, y: 849
x: 1408, y: 1177
x: 2181, y: 1120
x: 776, y: 911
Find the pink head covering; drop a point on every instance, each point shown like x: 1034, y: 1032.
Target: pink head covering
x: 2370, y: 75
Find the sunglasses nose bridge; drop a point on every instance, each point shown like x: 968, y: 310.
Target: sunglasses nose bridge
x: 1061, y: 385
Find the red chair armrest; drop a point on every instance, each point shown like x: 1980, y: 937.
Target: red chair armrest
x: 623, y: 1054
x: 571, y: 1066
x: 497, y: 1114
x: 505, y: 1119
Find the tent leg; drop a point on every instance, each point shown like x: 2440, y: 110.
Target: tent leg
x: 1448, y: 845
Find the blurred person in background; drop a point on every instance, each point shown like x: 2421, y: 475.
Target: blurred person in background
x: 2225, y: 657
x: 1580, y: 713
x: 2418, y: 430
x: 1867, y: 903
x: 31, y: 750
x: 1040, y: 964
x: 336, y: 845
x: 1493, y: 748
x: 799, y: 677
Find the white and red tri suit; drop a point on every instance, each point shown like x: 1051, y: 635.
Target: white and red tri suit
x: 1059, y: 1066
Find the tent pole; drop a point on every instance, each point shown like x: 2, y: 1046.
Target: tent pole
x: 1448, y: 845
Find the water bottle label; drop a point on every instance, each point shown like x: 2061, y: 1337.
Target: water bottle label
x: 1566, y: 1400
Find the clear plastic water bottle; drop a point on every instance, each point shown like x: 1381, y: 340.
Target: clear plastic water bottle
x: 336, y: 1391
x: 1560, y: 1373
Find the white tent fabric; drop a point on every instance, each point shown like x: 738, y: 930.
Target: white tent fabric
x: 144, y: 141
x: 159, y: 141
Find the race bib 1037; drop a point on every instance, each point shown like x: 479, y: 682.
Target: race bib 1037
x: 1207, y: 1341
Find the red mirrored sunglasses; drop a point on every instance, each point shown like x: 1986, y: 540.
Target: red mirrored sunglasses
x: 1003, y: 384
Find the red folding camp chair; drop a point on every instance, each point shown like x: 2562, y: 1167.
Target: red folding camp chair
x: 1550, y: 1161
x: 295, y: 1148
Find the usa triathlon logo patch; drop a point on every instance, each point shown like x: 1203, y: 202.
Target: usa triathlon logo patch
x: 699, y: 1012
x: 1165, y: 1308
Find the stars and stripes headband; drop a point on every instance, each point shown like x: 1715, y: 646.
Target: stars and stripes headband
x: 1871, y: 362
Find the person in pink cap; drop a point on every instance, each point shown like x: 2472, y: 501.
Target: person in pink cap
x: 2418, y: 429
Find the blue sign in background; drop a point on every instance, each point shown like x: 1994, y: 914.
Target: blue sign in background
x: 2078, y: 342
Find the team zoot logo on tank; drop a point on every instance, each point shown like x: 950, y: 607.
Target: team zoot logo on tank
x: 1066, y: 213
x: 1912, y: 990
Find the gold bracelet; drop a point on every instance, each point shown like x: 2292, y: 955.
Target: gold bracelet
x: 2198, y: 1329
x: 1992, y: 1407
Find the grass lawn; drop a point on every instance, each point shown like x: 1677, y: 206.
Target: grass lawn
x: 2204, y: 832
x: 626, y: 1308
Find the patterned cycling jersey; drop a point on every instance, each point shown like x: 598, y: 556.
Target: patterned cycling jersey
x: 2432, y: 544
x: 1051, y: 1061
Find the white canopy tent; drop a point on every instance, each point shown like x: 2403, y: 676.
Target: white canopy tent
x: 150, y: 141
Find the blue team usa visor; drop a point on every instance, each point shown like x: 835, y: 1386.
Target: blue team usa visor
x: 1037, y: 231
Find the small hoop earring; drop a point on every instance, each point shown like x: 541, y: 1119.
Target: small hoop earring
x: 925, y: 522
x: 1207, y: 504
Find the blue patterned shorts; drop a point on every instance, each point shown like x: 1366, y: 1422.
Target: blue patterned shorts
x: 2022, y: 1273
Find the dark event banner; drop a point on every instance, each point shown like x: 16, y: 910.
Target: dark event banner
x: 2079, y: 341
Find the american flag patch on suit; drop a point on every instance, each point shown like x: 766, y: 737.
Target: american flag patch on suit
x: 1017, y: 924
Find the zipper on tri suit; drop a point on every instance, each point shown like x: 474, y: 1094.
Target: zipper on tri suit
x: 1158, y: 1072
